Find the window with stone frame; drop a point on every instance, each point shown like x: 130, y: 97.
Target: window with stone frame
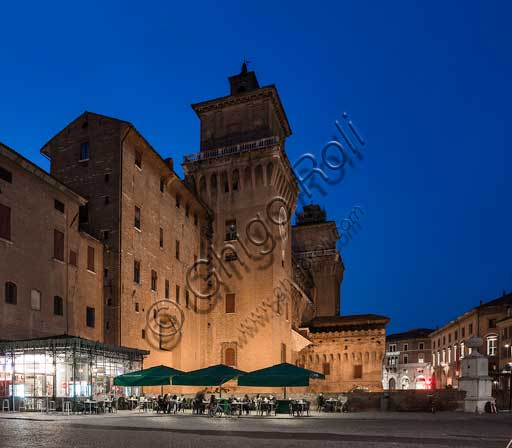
x: 5, y: 222
x: 230, y: 303
x: 358, y: 371
x: 90, y: 259
x: 58, y: 245
x: 11, y: 293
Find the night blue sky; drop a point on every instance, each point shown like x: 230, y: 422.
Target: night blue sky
x: 428, y: 85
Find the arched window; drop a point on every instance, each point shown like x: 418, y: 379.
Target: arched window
x: 392, y: 384
x: 230, y: 357
x: 270, y: 169
x: 213, y: 185
x: 224, y: 182
x: 259, y: 176
x: 235, y: 179
x: 202, y: 187
x: 11, y: 293
x: 247, y: 178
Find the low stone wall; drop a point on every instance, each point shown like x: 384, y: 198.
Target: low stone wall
x: 400, y: 400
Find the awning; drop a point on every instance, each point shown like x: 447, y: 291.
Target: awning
x: 209, y: 376
x: 154, y: 376
x: 280, y: 375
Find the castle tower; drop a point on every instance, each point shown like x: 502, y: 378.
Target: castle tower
x: 314, y: 245
x: 243, y: 174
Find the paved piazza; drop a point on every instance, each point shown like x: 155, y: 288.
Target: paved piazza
x: 129, y: 429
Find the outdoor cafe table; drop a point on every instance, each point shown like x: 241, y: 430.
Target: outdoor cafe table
x: 239, y: 406
x: 91, y: 403
x: 132, y: 403
x: 331, y: 404
x: 268, y: 406
x: 301, y: 406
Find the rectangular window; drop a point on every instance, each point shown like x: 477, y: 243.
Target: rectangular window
x: 492, y: 323
x: 161, y: 237
x: 138, y: 159
x: 11, y: 293
x: 83, y: 214
x: 421, y: 346
x: 35, y: 300
x: 326, y: 368
x: 154, y: 280
x: 5, y: 175
x: 59, y: 206
x: 177, y: 250
x: 492, y: 345
x: 358, y: 371
x: 58, y: 245
x: 406, y: 347
x: 230, y: 303
x: 283, y: 352
x: 84, y: 151
x: 90, y: 317
x: 58, y: 306
x: 90, y: 259
x: 463, y: 332
x: 392, y: 347
x: 406, y: 359
x: 136, y: 271
x: 177, y: 294
x: 421, y: 358
x: 5, y: 222
x: 143, y: 334
x: 136, y: 307
x: 230, y: 230
x: 470, y: 329
x: 455, y: 334
x: 166, y: 289
x: 136, y: 221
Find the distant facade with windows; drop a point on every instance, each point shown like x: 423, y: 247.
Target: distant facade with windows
x: 408, y: 361
x: 488, y: 321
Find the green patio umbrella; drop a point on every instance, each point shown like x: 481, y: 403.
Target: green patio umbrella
x: 209, y: 376
x: 280, y: 375
x: 154, y: 376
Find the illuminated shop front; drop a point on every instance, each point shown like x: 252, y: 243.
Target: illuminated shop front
x: 64, y: 367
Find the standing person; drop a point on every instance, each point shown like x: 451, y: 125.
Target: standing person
x: 320, y: 401
x: 247, y: 404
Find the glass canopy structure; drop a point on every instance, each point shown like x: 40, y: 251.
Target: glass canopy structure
x: 64, y: 367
